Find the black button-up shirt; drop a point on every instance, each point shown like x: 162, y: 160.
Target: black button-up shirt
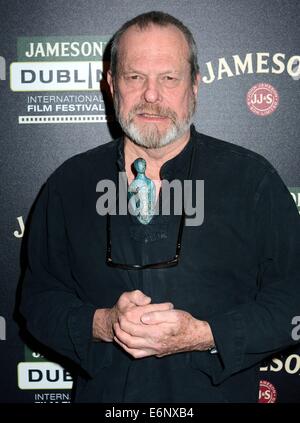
x: 239, y: 271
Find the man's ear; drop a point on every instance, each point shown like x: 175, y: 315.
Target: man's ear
x: 110, y: 82
x: 196, y: 84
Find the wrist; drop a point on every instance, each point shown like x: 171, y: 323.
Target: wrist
x: 204, y: 337
x: 103, y: 324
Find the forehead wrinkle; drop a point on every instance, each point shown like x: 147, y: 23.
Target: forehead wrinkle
x: 153, y: 45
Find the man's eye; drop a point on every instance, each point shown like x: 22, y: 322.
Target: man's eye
x: 169, y: 78
x: 169, y: 81
x: 134, y: 78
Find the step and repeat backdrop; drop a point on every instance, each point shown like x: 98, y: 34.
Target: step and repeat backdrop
x: 51, y: 67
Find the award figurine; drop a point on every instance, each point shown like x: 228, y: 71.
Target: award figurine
x: 141, y: 194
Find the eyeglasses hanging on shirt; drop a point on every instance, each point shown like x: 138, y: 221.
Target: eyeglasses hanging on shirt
x: 141, y: 193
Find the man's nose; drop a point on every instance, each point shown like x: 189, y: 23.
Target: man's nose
x: 152, y: 93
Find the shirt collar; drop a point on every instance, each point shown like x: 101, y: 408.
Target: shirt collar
x: 175, y: 168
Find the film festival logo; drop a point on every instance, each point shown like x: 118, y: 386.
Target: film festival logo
x: 37, y: 373
x: 59, y: 78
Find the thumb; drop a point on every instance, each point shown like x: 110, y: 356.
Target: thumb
x: 160, y: 316
x: 148, y: 318
x: 139, y: 298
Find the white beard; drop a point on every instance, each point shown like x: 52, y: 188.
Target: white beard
x: 149, y: 136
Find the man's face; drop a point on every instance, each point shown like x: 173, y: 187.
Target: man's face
x: 153, y: 93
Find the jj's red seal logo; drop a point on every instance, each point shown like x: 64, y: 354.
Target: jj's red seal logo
x: 262, y: 99
x: 267, y: 392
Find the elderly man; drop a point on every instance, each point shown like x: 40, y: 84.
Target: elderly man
x: 160, y: 311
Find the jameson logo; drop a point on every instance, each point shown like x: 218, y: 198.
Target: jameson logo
x: 295, y: 192
x: 56, y: 48
x: 19, y: 233
x: 250, y: 63
x: 58, y: 63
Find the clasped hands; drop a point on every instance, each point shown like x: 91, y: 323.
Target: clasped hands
x: 143, y: 329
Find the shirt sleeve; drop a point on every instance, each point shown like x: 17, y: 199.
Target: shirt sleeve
x: 54, y: 313
x: 250, y: 332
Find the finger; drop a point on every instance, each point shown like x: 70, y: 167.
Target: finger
x: 158, y: 307
x: 137, y: 297
x: 136, y: 353
x: 154, y: 317
x: 134, y: 329
x: 133, y: 298
x: 128, y: 340
x: 162, y: 355
x: 148, y: 331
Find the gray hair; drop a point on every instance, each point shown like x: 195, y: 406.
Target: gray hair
x: 160, y: 19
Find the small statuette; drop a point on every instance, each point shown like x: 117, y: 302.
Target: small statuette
x: 141, y: 194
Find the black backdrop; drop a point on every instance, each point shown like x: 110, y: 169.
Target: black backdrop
x: 51, y: 108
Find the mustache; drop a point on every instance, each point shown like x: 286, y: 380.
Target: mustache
x: 154, y: 109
